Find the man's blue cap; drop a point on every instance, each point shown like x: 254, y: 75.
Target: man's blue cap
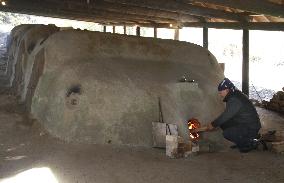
x: 226, y: 84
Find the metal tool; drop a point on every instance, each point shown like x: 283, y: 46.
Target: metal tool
x: 161, y: 118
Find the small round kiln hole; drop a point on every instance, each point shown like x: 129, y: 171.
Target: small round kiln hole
x: 76, y: 89
x: 74, y: 102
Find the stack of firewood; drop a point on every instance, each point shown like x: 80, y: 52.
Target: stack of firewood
x: 276, y: 103
x: 274, y: 140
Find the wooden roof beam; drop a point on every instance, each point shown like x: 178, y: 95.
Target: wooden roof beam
x: 96, y: 5
x: 100, y: 4
x: 174, y: 6
x: 97, y: 19
x: 145, y: 11
x: 48, y: 9
x: 269, y: 26
x: 256, y: 6
x: 102, y: 19
x: 148, y: 25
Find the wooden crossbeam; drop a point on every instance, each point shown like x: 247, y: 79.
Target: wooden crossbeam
x: 45, y: 8
x: 174, y: 6
x: 270, y: 26
x: 257, y: 6
x: 112, y: 20
x: 123, y: 8
x: 144, y: 11
x: 102, y: 18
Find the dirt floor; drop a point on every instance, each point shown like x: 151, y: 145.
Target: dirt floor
x: 28, y: 154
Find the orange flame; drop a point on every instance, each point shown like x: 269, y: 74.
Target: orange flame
x: 193, y: 124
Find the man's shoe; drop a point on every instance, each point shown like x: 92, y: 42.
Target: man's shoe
x: 248, y: 149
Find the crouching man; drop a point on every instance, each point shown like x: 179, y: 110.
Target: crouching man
x: 240, y: 122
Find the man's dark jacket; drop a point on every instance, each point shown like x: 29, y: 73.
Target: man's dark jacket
x: 239, y: 112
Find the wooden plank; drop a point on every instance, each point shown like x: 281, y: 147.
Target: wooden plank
x: 271, y: 26
x: 174, y: 6
x: 257, y: 6
x: 123, y: 15
x: 150, y: 25
x: 71, y: 15
x: 60, y: 10
x: 42, y: 8
x: 125, y: 8
x: 101, y: 5
x: 245, y: 67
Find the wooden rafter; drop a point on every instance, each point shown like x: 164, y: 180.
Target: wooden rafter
x: 61, y: 10
x: 174, y: 6
x: 272, y: 26
x: 128, y: 9
x: 257, y: 6
x: 150, y: 13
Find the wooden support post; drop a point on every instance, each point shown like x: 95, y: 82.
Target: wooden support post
x: 137, y: 31
x: 124, y: 29
x: 176, y: 34
x: 205, y: 37
x: 105, y: 28
x: 155, y: 32
x: 245, y: 67
x: 113, y: 29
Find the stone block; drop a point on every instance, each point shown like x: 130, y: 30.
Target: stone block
x: 174, y: 146
x: 275, y: 142
x: 159, y: 131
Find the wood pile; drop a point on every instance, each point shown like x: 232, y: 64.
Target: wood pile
x: 276, y: 103
x: 277, y: 147
x: 274, y: 141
